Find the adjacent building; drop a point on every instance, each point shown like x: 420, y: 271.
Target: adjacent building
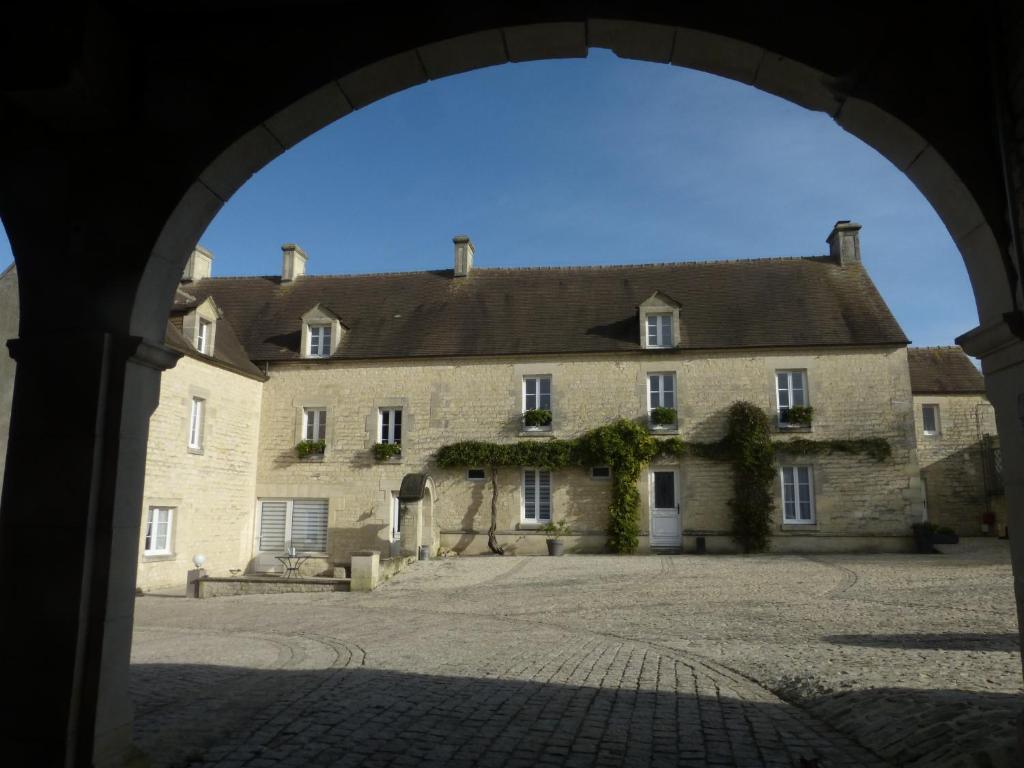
x: 301, y: 403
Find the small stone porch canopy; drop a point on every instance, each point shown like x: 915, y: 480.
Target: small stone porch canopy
x: 417, y: 496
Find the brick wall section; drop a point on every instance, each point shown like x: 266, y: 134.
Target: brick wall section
x: 951, y: 461
x: 855, y: 393
x: 8, y: 330
x: 212, y: 491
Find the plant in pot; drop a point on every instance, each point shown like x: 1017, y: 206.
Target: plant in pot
x: 663, y: 417
x: 385, y: 451
x: 537, y: 418
x: 928, y: 534
x: 555, y: 532
x: 796, y: 416
x: 307, y: 448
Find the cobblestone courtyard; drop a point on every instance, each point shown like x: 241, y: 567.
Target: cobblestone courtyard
x: 590, y: 660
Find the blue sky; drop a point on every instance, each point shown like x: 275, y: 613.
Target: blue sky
x: 596, y: 161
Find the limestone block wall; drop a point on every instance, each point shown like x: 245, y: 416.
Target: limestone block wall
x: 855, y: 393
x: 952, y: 461
x: 213, y: 490
x: 8, y: 330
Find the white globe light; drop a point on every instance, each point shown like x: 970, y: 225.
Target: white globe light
x: 199, y: 560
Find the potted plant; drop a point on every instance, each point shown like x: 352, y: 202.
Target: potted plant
x: 663, y: 417
x: 555, y: 532
x: 537, y: 418
x: 385, y: 451
x: 928, y: 534
x: 307, y: 448
x: 796, y: 416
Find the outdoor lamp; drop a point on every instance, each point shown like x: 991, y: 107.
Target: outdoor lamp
x: 198, y: 560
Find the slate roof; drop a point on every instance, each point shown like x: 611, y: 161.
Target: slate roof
x: 228, y: 351
x: 810, y: 301
x: 943, y: 371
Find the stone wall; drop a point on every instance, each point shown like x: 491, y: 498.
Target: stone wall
x: 8, y: 330
x: 952, y: 461
x: 855, y: 393
x: 213, y: 490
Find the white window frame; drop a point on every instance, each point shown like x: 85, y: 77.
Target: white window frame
x: 197, y: 416
x: 314, y: 424
x: 167, y: 549
x: 937, y: 425
x: 395, y: 528
x: 798, y: 499
x: 289, y: 511
x: 388, y: 436
x: 320, y: 337
x: 662, y: 327
x: 789, y: 389
x: 536, y: 519
x: 537, y: 396
x: 661, y: 377
x: 203, y: 331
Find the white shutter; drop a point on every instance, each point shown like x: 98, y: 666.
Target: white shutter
x: 273, y: 517
x: 309, y: 525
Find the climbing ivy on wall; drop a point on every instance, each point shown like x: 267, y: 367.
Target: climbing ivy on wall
x: 627, y: 447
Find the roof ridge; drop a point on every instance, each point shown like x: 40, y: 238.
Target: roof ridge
x: 940, y: 346
x: 541, y: 268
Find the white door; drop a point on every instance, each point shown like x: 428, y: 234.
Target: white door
x: 666, y: 522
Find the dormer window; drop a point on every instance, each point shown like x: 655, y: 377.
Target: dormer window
x: 659, y: 322
x: 659, y: 330
x: 319, y: 341
x: 322, y: 332
x: 203, y: 337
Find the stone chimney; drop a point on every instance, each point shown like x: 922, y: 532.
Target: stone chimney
x: 844, y: 243
x: 198, y: 266
x: 464, y: 251
x: 293, y: 262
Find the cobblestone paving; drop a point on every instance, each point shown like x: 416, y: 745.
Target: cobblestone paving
x: 596, y: 661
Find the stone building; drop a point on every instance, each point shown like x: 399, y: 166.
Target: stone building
x: 957, y: 446
x: 341, y: 364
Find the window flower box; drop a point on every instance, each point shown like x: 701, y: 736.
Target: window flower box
x: 387, y: 451
x: 663, y: 418
x: 310, y: 449
x: 537, y: 419
x: 796, y: 416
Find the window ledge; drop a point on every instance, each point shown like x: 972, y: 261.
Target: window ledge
x: 797, y: 428
x: 313, y: 458
x: 799, y: 526
x: 159, y: 558
x: 667, y: 429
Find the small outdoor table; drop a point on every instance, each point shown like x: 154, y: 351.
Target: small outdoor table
x: 291, y: 564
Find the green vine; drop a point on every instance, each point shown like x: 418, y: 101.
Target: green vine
x: 627, y: 447
x: 310, y: 448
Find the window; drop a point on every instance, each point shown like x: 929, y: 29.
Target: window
x: 601, y: 473
x: 659, y: 330
x: 536, y: 393
x: 203, y: 337
x: 298, y: 523
x: 319, y: 341
x: 536, y: 495
x: 195, y: 426
x: 396, y: 517
x: 314, y: 424
x: 475, y: 474
x: 391, y: 425
x: 158, y: 531
x: 797, y: 495
x: 791, y: 388
x: 661, y: 391
x: 930, y: 417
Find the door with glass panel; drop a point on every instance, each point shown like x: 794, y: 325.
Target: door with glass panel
x: 666, y: 516
x: 285, y: 524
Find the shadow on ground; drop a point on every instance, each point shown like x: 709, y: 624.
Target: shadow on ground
x: 203, y: 715
x: 953, y: 641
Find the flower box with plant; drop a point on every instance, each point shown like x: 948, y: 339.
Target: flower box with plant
x: 796, y: 416
x: 555, y: 532
x: 386, y: 451
x: 310, y: 449
x: 663, y: 417
x: 537, y: 418
x: 928, y: 534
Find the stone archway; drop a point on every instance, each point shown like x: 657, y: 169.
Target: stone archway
x: 131, y: 135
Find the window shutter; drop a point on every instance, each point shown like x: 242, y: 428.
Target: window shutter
x: 309, y: 525
x: 272, y: 526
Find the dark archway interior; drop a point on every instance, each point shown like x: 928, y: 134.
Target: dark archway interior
x: 128, y: 129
